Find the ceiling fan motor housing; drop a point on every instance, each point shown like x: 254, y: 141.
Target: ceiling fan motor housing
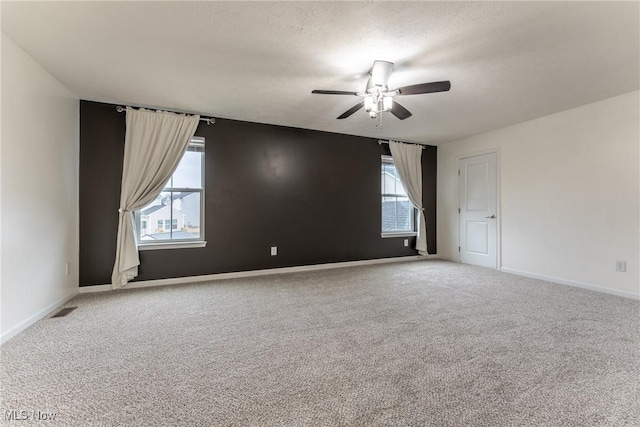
x: 380, y: 73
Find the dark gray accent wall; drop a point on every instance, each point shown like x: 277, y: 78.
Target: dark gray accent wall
x: 315, y: 195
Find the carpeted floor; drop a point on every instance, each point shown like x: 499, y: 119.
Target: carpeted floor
x: 413, y: 343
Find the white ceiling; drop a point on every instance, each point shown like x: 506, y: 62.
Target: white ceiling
x: 258, y: 61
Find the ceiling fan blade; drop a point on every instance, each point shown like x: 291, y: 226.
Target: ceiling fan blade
x: 333, y: 92
x: 352, y: 110
x: 399, y: 111
x: 425, y: 88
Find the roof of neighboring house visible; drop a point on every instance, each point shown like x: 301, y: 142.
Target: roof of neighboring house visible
x: 153, y: 209
x: 183, y: 195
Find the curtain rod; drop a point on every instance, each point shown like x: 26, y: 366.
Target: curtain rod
x: 382, y: 141
x: 208, y: 120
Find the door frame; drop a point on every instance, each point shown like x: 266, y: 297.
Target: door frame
x: 495, y: 151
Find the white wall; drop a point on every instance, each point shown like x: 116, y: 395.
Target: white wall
x: 570, y: 188
x: 39, y: 182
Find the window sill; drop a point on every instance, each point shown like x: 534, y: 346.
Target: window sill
x: 401, y: 234
x: 171, y: 245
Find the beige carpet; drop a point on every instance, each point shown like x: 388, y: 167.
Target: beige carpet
x: 407, y: 344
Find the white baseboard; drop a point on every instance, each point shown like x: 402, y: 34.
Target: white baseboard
x: 95, y: 288
x: 588, y: 286
x: 253, y: 273
x: 35, y: 317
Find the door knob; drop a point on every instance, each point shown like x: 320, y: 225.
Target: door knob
x: 491, y: 217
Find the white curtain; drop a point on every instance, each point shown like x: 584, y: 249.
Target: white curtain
x: 407, y: 159
x: 154, y: 144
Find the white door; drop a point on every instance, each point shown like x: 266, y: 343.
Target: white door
x: 478, y: 213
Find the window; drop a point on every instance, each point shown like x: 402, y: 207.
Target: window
x: 171, y: 224
x: 398, y: 213
x: 178, y: 211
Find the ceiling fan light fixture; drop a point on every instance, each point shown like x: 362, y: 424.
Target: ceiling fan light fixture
x: 368, y: 102
x: 387, y: 103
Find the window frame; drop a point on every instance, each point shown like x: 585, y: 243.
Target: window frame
x: 384, y: 159
x: 197, y: 141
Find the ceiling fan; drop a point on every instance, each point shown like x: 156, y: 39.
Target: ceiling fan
x: 377, y: 96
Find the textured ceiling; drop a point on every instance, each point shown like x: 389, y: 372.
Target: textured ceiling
x: 507, y: 61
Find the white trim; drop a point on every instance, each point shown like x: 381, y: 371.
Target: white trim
x: 98, y: 288
x: 36, y: 316
x: 495, y: 150
x: 171, y: 245
x: 479, y: 153
x: 253, y: 273
x: 575, y: 284
x: 399, y: 234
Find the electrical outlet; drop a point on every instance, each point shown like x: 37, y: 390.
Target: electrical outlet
x: 406, y: 242
x: 621, y: 266
x: 274, y: 250
x: 67, y: 268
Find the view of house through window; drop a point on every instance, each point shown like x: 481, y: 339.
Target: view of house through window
x: 398, y: 213
x: 178, y: 211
